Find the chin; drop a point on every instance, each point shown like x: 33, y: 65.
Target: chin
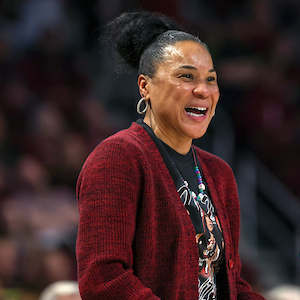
x: 197, y: 134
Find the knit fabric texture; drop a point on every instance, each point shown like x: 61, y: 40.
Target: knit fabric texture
x: 135, y: 238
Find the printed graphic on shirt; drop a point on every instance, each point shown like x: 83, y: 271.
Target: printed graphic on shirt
x: 208, y: 237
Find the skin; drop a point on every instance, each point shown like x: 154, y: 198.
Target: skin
x: 185, y: 79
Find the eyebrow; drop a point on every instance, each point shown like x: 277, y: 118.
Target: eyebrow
x: 189, y: 67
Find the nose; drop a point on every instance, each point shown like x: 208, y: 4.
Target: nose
x: 201, y: 90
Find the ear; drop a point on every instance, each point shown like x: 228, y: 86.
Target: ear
x: 143, y: 83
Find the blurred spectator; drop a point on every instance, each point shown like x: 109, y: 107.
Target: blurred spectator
x: 34, y: 18
x: 284, y: 292
x: 61, y: 290
x: 8, y: 262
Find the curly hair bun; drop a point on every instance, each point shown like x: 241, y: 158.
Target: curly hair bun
x: 129, y: 34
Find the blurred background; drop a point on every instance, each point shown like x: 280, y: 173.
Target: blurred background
x: 60, y: 96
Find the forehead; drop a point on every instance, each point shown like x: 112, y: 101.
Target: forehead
x: 186, y: 52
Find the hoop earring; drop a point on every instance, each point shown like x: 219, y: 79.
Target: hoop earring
x: 138, y: 107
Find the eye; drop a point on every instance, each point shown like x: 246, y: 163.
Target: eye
x: 188, y: 76
x: 211, y: 78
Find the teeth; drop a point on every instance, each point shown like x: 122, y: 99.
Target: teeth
x: 199, y: 108
x: 195, y: 115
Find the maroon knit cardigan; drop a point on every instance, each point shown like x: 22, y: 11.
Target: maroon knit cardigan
x: 135, y: 238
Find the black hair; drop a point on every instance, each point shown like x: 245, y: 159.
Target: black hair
x: 139, y: 39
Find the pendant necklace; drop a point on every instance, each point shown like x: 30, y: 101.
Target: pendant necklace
x: 201, y: 185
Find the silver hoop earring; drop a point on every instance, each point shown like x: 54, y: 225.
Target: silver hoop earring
x: 138, y: 107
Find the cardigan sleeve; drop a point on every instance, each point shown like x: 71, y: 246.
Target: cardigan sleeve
x: 108, y: 190
x: 223, y: 183
x: 243, y: 289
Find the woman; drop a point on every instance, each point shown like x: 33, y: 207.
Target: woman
x: 159, y: 218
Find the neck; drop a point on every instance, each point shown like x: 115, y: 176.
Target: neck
x: 180, y: 145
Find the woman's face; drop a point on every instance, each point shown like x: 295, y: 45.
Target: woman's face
x: 183, y: 94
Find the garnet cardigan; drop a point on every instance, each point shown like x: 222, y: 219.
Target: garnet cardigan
x: 135, y: 238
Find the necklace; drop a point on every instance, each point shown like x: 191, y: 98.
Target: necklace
x: 201, y: 185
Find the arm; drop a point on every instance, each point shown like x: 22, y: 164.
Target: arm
x: 108, y: 190
x: 243, y: 289
x: 222, y: 182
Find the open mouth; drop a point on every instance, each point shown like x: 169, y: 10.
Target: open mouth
x: 196, y: 111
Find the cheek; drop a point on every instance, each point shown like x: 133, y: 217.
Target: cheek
x: 162, y: 89
x: 169, y: 94
x: 215, y: 94
x: 180, y: 90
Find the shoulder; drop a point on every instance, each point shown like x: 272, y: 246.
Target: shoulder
x: 134, y: 138
x: 212, y: 160
x: 122, y: 147
x: 215, y: 167
x: 220, y: 178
